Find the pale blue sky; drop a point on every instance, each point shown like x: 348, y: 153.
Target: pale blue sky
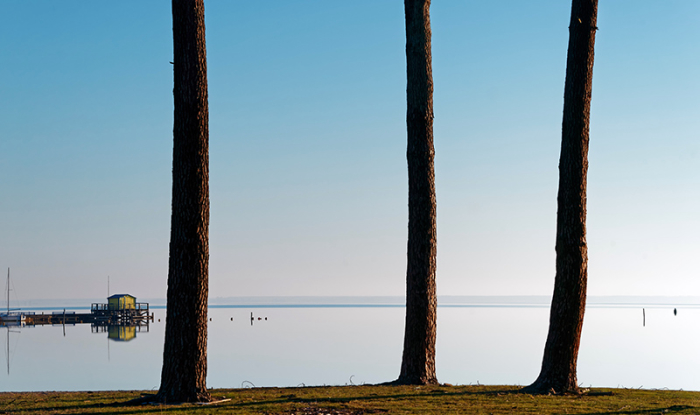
x: 307, y: 140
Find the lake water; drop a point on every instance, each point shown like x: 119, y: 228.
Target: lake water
x: 338, y: 345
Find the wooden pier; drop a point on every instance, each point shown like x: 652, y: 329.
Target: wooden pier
x: 107, y: 313
x: 106, y: 318
x: 120, y: 310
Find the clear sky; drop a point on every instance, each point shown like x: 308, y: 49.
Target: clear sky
x: 307, y: 139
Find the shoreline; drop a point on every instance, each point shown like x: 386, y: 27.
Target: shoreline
x: 380, y: 301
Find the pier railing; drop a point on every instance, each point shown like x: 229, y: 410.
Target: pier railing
x: 99, y: 307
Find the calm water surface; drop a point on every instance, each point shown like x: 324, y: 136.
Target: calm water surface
x: 346, y: 345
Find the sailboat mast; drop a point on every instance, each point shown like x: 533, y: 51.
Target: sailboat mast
x: 8, y: 291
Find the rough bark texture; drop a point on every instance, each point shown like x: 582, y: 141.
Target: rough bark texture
x: 183, y: 378
x: 418, y: 363
x: 558, y: 372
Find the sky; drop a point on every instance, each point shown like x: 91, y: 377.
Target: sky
x: 308, y: 175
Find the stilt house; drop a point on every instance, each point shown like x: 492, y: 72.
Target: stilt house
x: 121, y: 302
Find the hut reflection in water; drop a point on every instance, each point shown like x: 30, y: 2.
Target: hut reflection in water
x: 120, y: 332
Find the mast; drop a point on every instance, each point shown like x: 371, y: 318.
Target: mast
x: 8, y: 315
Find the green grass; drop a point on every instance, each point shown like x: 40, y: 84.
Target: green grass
x: 367, y: 400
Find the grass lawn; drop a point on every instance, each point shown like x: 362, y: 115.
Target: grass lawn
x: 366, y: 400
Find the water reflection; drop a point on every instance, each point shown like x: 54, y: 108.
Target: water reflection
x: 7, y: 351
x: 337, y: 346
x: 120, y: 332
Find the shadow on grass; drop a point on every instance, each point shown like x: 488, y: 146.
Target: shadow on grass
x: 668, y: 410
x: 128, y: 407
x: 294, y: 399
x: 141, y: 405
x: 101, y: 407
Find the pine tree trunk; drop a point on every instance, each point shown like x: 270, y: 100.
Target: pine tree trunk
x: 183, y: 378
x: 558, y: 372
x: 418, y: 362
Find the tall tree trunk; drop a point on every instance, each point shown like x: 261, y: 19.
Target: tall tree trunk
x: 558, y: 372
x: 418, y: 362
x: 183, y: 378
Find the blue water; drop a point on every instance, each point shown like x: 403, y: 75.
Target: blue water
x: 338, y: 344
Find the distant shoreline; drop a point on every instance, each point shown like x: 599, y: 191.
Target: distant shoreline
x: 382, y: 302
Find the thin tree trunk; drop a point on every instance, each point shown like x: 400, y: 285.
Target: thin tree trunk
x: 418, y: 362
x: 558, y: 372
x: 183, y: 378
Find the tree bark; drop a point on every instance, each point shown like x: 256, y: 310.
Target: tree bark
x: 558, y: 373
x: 418, y: 362
x: 183, y: 378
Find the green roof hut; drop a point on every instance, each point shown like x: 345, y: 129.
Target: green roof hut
x: 121, y: 302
